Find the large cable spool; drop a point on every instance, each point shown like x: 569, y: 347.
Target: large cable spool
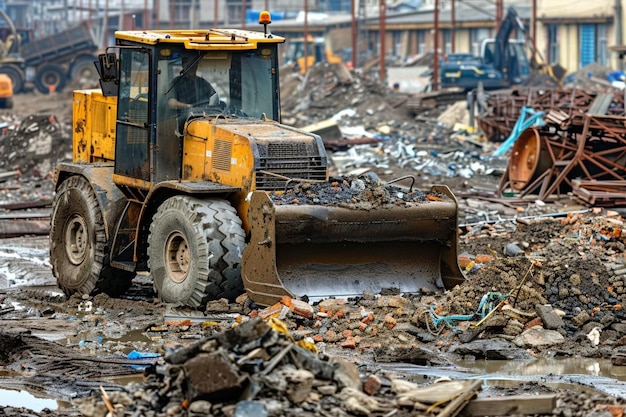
x: 529, y: 159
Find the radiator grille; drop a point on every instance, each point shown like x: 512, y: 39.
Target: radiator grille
x: 99, y: 120
x: 291, y: 160
x: 222, y: 154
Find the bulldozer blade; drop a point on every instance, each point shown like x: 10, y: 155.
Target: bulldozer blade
x: 319, y: 251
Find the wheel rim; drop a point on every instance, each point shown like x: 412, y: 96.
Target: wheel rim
x: 76, y: 239
x: 51, y: 78
x: 178, y: 257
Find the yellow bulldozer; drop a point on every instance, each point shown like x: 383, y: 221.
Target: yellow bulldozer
x: 167, y: 181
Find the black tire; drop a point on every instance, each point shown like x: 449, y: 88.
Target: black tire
x: 77, y: 237
x: 194, y: 251
x: 50, y: 76
x: 78, y: 243
x: 16, y: 75
x: 84, y: 69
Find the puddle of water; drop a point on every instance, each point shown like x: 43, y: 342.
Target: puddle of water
x: 597, y: 374
x: 11, y: 398
x: 547, y: 366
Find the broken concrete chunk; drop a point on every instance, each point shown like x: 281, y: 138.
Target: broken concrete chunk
x: 372, y: 384
x: 300, y: 385
x: 551, y: 320
x: 538, y: 337
x: 213, y: 376
x: 347, y: 374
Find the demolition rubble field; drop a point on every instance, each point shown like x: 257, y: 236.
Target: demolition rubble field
x: 539, y: 287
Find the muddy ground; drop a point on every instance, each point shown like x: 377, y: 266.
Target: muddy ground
x: 558, y: 281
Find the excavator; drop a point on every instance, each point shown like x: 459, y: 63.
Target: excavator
x: 303, y: 53
x: 191, y: 194
x: 503, y: 62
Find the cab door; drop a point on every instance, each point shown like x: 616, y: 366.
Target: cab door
x: 132, y: 146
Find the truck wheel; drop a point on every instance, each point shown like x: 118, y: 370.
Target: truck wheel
x: 77, y: 237
x: 16, y: 75
x: 84, y: 69
x: 50, y: 77
x: 194, y: 251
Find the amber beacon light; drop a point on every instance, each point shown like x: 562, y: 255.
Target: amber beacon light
x: 265, y: 19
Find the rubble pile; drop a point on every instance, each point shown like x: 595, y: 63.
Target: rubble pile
x: 36, y: 145
x: 258, y: 369
x: 319, y: 96
x: 576, y: 265
x: 363, y: 192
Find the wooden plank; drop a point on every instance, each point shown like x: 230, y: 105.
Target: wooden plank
x: 457, y: 405
x: 515, y: 404
x: 14, y: 228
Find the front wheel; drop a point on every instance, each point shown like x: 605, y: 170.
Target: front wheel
x: 194, y: 251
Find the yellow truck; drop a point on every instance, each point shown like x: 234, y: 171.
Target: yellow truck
x: 186, y: 192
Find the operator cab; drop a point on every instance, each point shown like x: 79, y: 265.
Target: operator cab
x: 243, y: 73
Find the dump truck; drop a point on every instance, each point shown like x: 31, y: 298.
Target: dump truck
x: 191, y: 193
x: 63, y: 56
x: 50, y: 61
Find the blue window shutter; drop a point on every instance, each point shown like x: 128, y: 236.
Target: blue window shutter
x: 587, y: 44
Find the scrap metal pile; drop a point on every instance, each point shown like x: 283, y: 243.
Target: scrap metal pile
x: 580, y: 147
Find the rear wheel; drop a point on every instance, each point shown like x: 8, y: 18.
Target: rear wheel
x: 78, y: 243
x: 194, y: 251
x: 49, y: 78
x: 85, y: 70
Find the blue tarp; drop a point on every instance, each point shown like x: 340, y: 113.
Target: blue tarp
x: 528, y: 118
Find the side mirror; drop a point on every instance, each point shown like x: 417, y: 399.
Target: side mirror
x: 108, y: 70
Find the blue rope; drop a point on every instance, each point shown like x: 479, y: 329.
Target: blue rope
x: 487, y: 303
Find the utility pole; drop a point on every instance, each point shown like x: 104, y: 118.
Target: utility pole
x: 105, y: 25
x: 499, y: 14
x: 172, y: 10
x: 435, y: 83
x: 383, y: 29
x: 145, y: 18
x: 244, y: 6
x: 353, y: 29
x: 452, y: 25
x: 305, y: 43
x: 215, y: 13
x: 533, y: 31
